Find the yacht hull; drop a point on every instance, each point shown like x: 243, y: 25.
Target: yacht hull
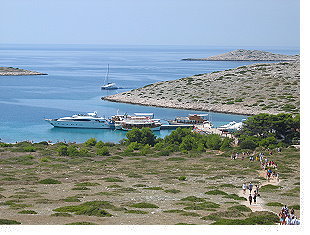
x: 80, y: 124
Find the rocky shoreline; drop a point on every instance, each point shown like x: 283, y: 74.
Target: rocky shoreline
x: 249, y: 90
x: 247, y: 55
x: 10, y: 71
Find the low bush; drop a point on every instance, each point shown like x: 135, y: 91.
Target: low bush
x: 216, y: 192
x: 8, y: 222
x: 144, y: 205
x: 27, y: 212
x: 104, y: 151
x: 49, y: 181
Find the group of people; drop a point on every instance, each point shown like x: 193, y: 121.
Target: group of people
x: 250, y: 187
x: 288, y: 217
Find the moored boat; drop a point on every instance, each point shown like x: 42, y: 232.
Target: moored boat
x: 89, y: 120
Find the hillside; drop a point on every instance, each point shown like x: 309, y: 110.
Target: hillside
x: 249, y: 55
x: 258, y: 88
x: 10, y: 71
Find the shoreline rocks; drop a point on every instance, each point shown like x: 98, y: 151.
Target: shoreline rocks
x: 10, y: 71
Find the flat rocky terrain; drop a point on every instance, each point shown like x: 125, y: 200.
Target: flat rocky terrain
x: 249, y: 55
x: 10, y: 71
x: 258, y: 88
x: 41, y: 187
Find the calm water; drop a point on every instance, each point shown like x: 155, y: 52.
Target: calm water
x: 76, y: 73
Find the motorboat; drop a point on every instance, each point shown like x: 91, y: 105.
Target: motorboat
x: 89, y: 120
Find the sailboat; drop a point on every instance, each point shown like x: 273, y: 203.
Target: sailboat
x: 108, y: 85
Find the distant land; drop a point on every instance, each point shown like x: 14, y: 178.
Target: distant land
x: 10, y: 71
x: 252, y: 89
x: 248, y: 55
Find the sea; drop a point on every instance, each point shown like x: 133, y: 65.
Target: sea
x: 75, y: 75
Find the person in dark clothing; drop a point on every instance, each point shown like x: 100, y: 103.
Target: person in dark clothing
x: 250, y: 199
x: 254, y: 198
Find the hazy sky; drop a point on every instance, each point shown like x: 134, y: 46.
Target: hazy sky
x: 146, y: 22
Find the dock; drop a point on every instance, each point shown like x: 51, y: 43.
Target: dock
x: 175, y: 126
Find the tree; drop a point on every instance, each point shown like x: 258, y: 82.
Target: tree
x: 143, y: 136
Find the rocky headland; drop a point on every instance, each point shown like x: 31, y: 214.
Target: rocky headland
x: 248, y: 55
x: 258, y: 88
x: 10, y: 71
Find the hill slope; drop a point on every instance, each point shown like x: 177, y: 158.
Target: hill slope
x: 252, y: 89
x: 249, y: 55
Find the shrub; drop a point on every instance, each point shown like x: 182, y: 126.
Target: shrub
x: 274, y: 204
x: 27, y: 212
x: 29, y: 149
x: 193, y: 199
x: 92, y: 208
x: 100, y: 144
x: 143, y: 136
x: 72, y: 151
x: 216, y: 192
x: 144, y: 205
x: 104, y: 151
x: 248, y: 144
x: 61, y: 214
x: 90, y: 142
x: 136, y: 212
x: 182, y: 178
x: 172, y: 191
x: 242, y: 208
x: 87, y: 184
x: 295, y: 207
x: 49, y: 181
x: 62, y: 150
x: 6, y: 221
x: 81, y: 223
x: 235, y: 197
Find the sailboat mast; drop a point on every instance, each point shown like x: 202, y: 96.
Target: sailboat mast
x: 107, y: 75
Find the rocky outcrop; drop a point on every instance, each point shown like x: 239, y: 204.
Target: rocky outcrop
x: 10, y: 71
x: 249, y: 55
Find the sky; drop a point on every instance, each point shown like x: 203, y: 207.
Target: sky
x: 143, y: 22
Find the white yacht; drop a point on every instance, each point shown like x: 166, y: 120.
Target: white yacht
x: 89, y: 120
x: 108, y: 85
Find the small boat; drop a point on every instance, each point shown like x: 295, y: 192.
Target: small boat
x: 108, y: 85
x: 89, y: 120
x: 231, y: 127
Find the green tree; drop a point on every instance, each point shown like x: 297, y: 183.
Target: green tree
x: 143, y: 136
x: 90, y: 142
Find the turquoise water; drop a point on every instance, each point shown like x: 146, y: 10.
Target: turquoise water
x: 75, y: 74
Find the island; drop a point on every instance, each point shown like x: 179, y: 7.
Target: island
x: 252, y: 89
x: 248, y: 55
x: 10, y: 71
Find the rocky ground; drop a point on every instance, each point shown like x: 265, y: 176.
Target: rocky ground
x: 258, y: 88
x: 10, y: 71
x: 249, y: 55
x: 135, y: 188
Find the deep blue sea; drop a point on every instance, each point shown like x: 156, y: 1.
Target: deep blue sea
x: 75, y: 74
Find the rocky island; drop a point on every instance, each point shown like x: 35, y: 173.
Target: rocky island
x: 248, y: 55
x: 258, y: 88
x: 10, y: 71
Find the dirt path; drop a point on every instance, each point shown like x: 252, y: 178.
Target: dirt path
x: 260, y: 203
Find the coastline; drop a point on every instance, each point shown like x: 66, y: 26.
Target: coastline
x: 247, y: 90
x: 242, y: 112
x: 10, y: 71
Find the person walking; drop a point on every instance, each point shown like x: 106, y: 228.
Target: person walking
x: 250, y: 187
x: 244, y: 188
x: 250, y: 199
x: 254, y: 198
